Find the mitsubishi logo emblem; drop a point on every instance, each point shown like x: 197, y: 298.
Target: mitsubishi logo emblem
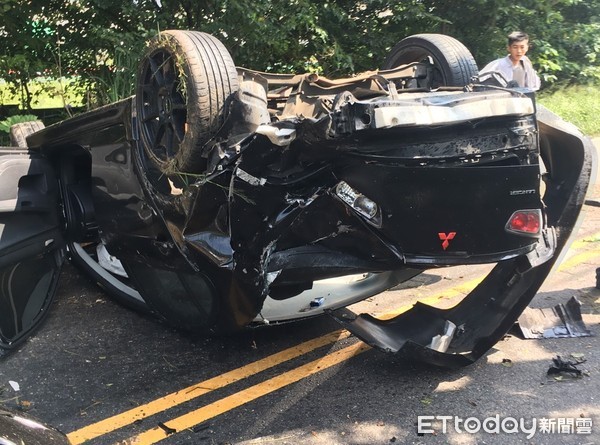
x: 445, y: 238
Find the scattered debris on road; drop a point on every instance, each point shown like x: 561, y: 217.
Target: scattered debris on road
x: 560, y: 321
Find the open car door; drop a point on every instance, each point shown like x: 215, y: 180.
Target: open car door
x: 32, y: 247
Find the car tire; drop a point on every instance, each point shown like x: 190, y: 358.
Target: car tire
x: 19, y: 132
x: 455, y: 63
x: 184, y: 85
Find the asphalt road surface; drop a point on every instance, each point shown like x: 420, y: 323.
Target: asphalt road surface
x: 106, y: 375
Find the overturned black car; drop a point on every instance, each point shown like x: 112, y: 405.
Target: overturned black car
x: 219, y: 197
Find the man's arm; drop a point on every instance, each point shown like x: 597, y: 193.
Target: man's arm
x: 498, y: 66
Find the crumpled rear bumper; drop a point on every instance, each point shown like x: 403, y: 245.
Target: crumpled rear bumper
x: 459, y: 336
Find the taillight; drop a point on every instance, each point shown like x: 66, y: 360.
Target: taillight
x: 359, y: 202
x: 525, y: 222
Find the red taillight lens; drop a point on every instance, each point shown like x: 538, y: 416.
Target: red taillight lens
x: 525, y: 222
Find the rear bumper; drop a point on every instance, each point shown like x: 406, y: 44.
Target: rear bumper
x: 460, y: 335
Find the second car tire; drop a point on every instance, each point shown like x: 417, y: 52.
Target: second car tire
x: 454, y: 62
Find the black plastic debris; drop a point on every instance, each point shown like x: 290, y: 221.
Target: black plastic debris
x: 167, y: 429
x: 562, y: 368
x: 560, y: 321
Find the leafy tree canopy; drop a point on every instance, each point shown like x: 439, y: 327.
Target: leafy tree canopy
x: 100, y: 41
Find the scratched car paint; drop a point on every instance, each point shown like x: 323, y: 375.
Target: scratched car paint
x: 220, y: 198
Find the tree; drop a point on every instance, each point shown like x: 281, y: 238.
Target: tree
x: 99, y: 42
x: 565, y: 34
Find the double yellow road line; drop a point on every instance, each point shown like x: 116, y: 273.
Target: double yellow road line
x: 590, y: 251
x: 199, y: 389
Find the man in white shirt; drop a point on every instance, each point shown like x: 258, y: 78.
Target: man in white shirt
x: 516, y: 65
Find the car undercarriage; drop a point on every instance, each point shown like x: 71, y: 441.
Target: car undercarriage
x: 219, y: 198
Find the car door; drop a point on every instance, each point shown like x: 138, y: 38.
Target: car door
x: 32, y: 247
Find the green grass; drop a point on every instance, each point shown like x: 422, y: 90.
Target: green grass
x: 579, y: 105
x: 46, y: 94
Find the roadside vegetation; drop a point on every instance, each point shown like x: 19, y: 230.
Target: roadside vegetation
x: 97, y: 44
x: 578, y: 104
x: 45, y: 92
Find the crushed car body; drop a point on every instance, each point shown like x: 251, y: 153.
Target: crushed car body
x: 219, y: 198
